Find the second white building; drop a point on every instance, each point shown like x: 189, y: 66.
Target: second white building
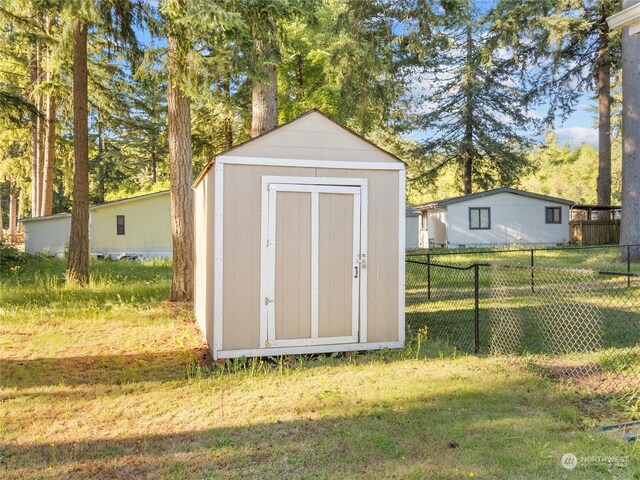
x: 503, y: 216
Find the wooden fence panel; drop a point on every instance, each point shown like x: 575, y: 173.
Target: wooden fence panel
x: 595, y: 232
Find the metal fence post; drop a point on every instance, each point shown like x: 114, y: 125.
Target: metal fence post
x: 532, y: 274
x: 428, y: 277
x: 628, y: 266
x: 476, y: 296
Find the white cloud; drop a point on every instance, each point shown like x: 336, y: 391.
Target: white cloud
x: 577, y: 135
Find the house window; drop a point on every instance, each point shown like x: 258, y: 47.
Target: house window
x: 120, y: 224
x: 553, y: 214
x: 479, y: 218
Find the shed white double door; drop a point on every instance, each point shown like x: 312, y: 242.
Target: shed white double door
x: 313, y: 265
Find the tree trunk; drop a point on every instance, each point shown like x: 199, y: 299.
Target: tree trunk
x: 180, y: 177
x: 264, y: 103
x: 154, y: 165
x: 467, y: 149
x: 603, y: 63
x: 264, y: 90
x: 1, y: 219
x: 34, y: 146
x: 13, y: 214
x: 78, y: 263
x: 101, y: 187
x: 630, y: 223
x: 228, y: 120
x: 22, y: 201
x: 46, y: 204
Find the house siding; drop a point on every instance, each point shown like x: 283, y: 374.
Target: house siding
x: 48, y: 235
x: 147, y: 227
x: 515, y: 219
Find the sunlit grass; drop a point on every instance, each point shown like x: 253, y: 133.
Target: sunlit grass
x: 110, y: 382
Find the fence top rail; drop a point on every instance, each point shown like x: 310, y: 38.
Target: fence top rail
x: 476, y: 251
x: 451, y: 267
x: 581, y: 271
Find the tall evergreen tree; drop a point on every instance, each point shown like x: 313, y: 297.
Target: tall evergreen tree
x: 180, y: 156
x: 78, y: 261
x: 474, y: 113
x: 571, y: 51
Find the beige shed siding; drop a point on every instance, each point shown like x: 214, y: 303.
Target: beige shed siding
x: 312, y: 137
x: 293, y: 265
x: 241, y: 249
x: 147, y: 227
x: 47, y: 234
x: 204, y: 256
x: 335, y: 258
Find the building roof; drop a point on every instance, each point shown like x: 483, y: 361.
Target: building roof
x: 410, y: 211
x: 629, y: 17
x: 95, y: 207
x: 240, y: 147
x: 514, y: 191
x: 48, y: 217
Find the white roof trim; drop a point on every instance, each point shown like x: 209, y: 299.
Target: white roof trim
x: 629, y: 17
x: 130, y: 199
x: 55, y: 216
x: 295, y: 162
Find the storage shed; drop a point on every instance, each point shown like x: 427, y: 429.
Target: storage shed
x: 299, y: 244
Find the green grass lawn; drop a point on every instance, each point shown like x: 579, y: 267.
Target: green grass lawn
x: 112, y: 382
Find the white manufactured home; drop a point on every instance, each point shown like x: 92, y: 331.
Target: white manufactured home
x: 299, y: 244
x: 136, y: 226
x: 412, y: 228
x: 503, y: 216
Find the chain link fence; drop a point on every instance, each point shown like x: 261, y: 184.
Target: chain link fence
x: 577, y: 325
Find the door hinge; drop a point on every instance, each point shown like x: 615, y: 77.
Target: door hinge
x: 268, y: 300
x: 269, y: 243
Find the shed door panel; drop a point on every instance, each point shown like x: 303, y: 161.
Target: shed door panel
x: 335, y: 263
x: 293, y: 265
x: 311, y: 264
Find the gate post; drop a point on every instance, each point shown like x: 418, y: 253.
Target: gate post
x: 428, y: 277
x: 476, y: 297
x: 532, y: 274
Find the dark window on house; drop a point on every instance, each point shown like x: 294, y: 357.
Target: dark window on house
x: 479, y: 218
x: 553, y: 214
x: 120, y: 224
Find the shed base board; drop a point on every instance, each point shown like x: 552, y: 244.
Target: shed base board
x: 308, y: 349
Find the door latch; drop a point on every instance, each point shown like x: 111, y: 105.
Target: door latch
x: 268, y: 300
x: 362, y: 260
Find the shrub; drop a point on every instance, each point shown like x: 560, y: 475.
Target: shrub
x: 11, y: 258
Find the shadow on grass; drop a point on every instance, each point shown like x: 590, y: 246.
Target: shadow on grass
x: 443, y: 435
x: 532, y: 329
x: 100, y: 369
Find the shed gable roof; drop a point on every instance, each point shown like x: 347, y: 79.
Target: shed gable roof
x: 311, y: 136
x: 514, y: 191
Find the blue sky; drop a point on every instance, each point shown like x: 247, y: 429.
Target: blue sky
x: 581, y: 125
